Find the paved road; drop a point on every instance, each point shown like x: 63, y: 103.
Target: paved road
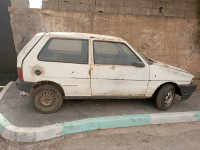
x: 20, y: 112
x: 180, y: 136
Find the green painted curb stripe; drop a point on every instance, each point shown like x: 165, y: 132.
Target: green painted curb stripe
x: 104, y: 123
x: 3, y: 123
x: 198, y: 115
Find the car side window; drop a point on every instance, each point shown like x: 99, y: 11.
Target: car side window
x: 65, y: 50
x: 113, y: 53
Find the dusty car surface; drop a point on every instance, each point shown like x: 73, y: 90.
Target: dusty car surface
x: 54, y: 66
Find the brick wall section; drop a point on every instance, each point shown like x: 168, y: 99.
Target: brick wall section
x: 173, y: 8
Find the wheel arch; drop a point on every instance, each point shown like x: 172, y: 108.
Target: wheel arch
x: 50, y: 83
x: 178, y: 91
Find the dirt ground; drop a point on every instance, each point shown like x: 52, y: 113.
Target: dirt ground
x: 180, y: 136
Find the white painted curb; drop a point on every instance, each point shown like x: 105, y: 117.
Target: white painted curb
x: 5, y: 89
x: 163, y: 118
x: 21, y: 134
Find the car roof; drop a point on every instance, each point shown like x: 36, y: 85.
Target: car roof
x: 82, y: 35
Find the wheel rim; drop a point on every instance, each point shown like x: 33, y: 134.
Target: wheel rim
x: 169, y: 97
x: 46, y: 99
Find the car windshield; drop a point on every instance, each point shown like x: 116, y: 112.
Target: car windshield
x: 148, y: 60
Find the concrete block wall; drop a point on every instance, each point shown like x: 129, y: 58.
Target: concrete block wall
x: 20, y: 3
x: 170, y: 8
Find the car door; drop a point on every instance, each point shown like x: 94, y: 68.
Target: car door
x: 117, y: 70
x: 64, y: 61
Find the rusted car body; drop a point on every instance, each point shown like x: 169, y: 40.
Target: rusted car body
x: 90, y: 65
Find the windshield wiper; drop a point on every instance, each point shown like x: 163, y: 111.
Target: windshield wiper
x: 150, y: 60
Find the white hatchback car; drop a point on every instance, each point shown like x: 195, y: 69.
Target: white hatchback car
x: 54, y: 66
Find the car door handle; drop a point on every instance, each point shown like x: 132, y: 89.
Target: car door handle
x: 37, y: 72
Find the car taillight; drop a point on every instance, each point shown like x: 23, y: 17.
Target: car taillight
x: 20, y: 74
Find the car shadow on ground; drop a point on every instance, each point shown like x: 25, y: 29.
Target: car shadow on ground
x: 109, y: 107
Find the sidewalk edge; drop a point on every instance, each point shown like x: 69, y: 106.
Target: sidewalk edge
x: 26, y: 134
x: 2, y: 93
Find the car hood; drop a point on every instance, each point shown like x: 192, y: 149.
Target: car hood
x: 164, y: 72
x: 160, y: 64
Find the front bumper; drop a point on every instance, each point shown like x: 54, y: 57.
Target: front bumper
x: 187, y: 90
x: 24, y: 86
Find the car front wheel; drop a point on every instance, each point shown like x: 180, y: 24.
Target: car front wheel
x: 47, y: 98
x: 165, y: 97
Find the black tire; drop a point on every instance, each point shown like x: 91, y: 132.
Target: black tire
x: 165, y: 97
x: 46, y: 98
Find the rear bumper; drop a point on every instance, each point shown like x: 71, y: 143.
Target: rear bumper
x: 24, y: 86
x: 187, y: 90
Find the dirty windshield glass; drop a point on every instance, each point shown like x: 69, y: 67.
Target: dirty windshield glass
x: 148, y: 60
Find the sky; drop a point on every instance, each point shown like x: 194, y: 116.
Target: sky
x: 35, y: 4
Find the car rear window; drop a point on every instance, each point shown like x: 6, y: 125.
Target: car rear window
x: 65, y: 50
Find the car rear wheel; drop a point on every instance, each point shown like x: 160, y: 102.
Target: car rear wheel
x: 46, y: 98
x: 165, y: 97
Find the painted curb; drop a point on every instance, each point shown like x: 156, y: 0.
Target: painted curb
x: 3, y: 123
x: 5, y: 89
x: 105, y: 123
x: 26, y: 134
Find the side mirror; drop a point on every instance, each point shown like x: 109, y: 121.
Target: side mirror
x: 138, y: 64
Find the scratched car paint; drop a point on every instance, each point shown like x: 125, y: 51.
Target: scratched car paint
x: 56, y: 66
